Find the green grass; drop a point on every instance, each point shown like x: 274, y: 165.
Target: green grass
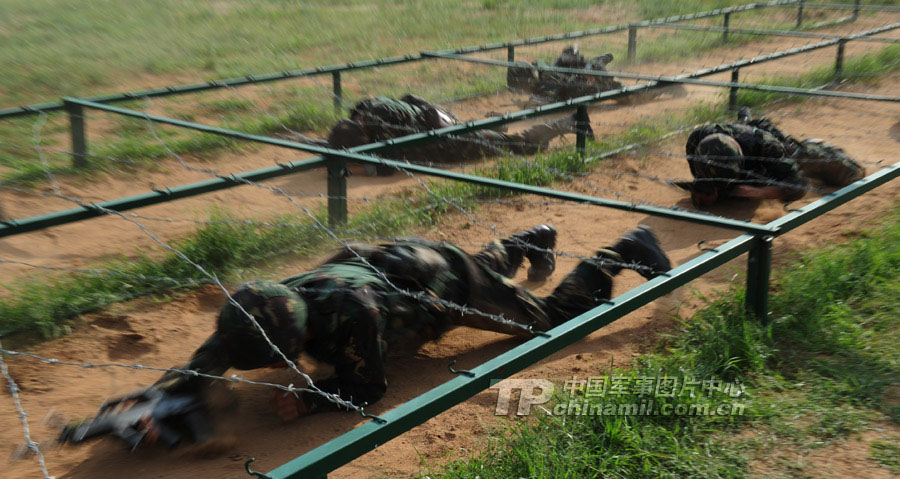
x: 826, y: 367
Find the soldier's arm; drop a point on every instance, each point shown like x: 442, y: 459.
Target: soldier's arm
x: 359, y: 369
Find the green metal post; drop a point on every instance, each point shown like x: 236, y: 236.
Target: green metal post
x: 76, y: 130
x: 725, y: 25
x: 759, y: 268
x: 733, y: 91
x: 338, y: 93
x: 632, y: 43
x: 855, y: 11
x: 839, y: 60
x: 582, y: 126
x: 337, y: 191
x: 511, y: 53
x: 800, y: 15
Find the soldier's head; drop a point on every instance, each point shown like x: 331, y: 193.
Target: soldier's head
x: 278, y: 310
x: 347, y: 134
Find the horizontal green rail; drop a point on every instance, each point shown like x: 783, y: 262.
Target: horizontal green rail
x: 672, y: 79
x: 833, y: 200
x: 365, y: 64
x: 14, y: 227
x: 370, y: 435
x: 772, y: 33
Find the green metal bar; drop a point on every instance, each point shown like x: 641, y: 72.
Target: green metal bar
x: 855, y: 7
x: 379, y: 62
x: 733, y: 91
x: 833, y: 200
x: 366, y: 437
x: 725, y: 27
x: 563, y: 195
x: 839, y: 61
x: 582, y: 124
x: 34, y: 223
x: 689, y: 81
x: 77, y: 134
x: 855, y: 11
x: 337, y: 191
x: 337, y: 92
x: 774, y: 33
x: 759, y: 268
x: 632, y: 44
x: 800, y: 15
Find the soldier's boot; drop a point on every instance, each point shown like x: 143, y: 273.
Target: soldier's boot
x: 537, y: 244
x: 641, y: 247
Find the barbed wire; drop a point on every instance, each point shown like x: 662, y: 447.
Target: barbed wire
x: 23, y: 416
x: 334, y: 398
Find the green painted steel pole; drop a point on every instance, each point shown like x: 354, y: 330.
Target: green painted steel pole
x: 759, y: 268
x: 338, y: 93
x: 855, y: 11
x: 77, y: 134
x: 725, y: 26
x: 632, y: 44
x: 337, y: 190
x: 733, y: 91
x: 582, y: 126
x: 800, y: 15
x: 839, y: 60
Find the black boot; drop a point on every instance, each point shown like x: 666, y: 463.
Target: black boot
x: 542, y: 238
x: 641, y: 246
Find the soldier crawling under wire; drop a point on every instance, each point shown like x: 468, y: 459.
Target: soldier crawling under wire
x: 381, y: 118
x: 364, y: 302
x: 753, y: 159
x: 552, y: 86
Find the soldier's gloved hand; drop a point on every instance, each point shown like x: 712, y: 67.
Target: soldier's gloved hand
x: 288, y: 406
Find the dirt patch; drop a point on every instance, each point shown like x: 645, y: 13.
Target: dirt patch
x: 846, y: 458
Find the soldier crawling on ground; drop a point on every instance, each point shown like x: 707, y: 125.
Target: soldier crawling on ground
x: 753, y: 159
x: 550, y: 86
x: 368, y: 301
x: 382, y: 118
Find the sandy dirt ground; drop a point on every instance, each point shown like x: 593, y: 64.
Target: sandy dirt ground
x: 164, y: 332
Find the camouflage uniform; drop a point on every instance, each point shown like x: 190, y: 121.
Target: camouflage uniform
x: 352, y: 317
x: 816, y: 158
x: 559, y: 86
x: 383, y: 118
x: 759, y: 161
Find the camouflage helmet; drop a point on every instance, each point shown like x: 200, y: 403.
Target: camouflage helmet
x: 277, y: 309
x: 719, y: 145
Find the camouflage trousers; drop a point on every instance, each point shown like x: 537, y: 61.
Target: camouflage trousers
x: 582, y: 289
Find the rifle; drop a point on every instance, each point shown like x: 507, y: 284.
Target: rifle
x: 171, y: 417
